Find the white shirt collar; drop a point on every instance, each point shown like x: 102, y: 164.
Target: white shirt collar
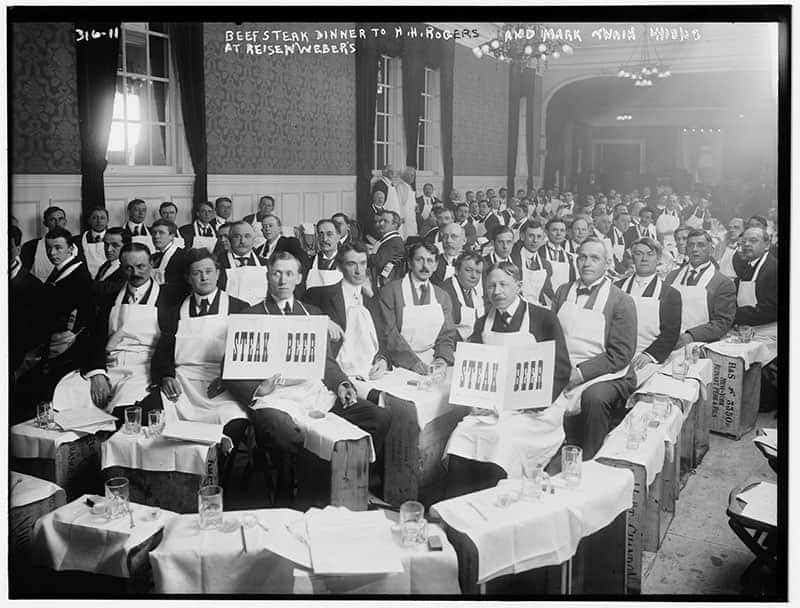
x: 15, y: 267
x: 168, y: 247
x: 597, y: 282
x: 755, y: 262
x: 700, y: 268
x: 65, y: 262
x: 643, y: 280
x: 351, y: 293
x: 210, y: 297
x: 132, y: 226
x: 416, y: 283
x: 138, y: 292
x: 282, y: 303
x: 512, y: 310
x: 91, y: 233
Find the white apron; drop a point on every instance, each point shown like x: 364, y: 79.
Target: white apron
x: 694, y: 301
x: 159, y: 272
x: 618, y: 250
x: 179, y: 242
x: 585, y: 334
x: 198, y: 242
x: 360, y: 342
x: 321, y: 278
x: 667, y: 223
x: 517, y: 435
x: 133, y: 334
x: 746, y: 296
x: 468, y: 314
x: 248, y: 283
x: 767, y: 333
x: 648, y: 315
x: 42, y: 266
x: 532, y: 280
x: 145, y: 240
x: 726, y: 262
x: 94, y: 254
x: 421, y: 324
x: 560, y: 272
x: 199, y: 352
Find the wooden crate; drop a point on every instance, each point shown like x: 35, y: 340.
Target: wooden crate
x: 686, y: 443
x: 735, y: 395
x: 413, y: 468
x: 661, y: 498
x: 599, y: 564
x: 344, y: 481
x: 76, y: 466
x: 171, y: 490
x: 702, y: 422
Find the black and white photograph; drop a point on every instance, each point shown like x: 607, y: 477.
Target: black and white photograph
x: 545, y: 253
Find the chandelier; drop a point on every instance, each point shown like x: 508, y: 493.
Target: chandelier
x: 527, y: 45
x: 648, y: 66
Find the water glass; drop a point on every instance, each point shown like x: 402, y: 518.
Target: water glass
x: 679, y: 369
x: 636, y: 427
x: 209, y: 507
x: 117, y: 497
x: 133, y: 420
x: 413, y: 527
x: 746, y: 334
x: 661, y: 407
x: 44, y: 415
x: 532, y: 473
x: 571, y: 461
x: 155, y: 422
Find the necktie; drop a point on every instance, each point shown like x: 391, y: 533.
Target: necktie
x: 468, y: 298
x: 132, y: 299
x: 103, y: 269
x: 203, y: 307
x: 96, y: 238
x: 692, y: 277
x: 157, y: 257
x: 423, y: 293
x: 584, y: 291
x: 207, y: 231
x: 506, y: 318
x: 51, y: 279
x: 287, y: 310
x: 243, y: 261
x: 136, y: 231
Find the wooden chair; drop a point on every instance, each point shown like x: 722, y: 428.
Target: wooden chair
x: 760, y: 537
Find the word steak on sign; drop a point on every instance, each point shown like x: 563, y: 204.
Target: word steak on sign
x: 260, y: 346
x: 502, y: 378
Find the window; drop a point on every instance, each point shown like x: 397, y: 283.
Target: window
x: 428, y: 152
x: 389, y: 139
x: 144, y: 121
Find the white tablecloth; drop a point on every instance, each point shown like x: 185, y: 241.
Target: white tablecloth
x: 532, y: 534
x: 30, y: 441
x: 702, y: 371
x: 154, y: 454
x: 323, y: 433
x: 25, y: 490
x: 687, y: 391
x: 751, y: 352
x: 649, y: 454
x: 430, y: 404
x: 71, y: 538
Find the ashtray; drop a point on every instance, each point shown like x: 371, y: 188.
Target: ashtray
x: 316, y: 414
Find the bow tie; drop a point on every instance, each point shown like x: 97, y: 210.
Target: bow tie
x: 584, y: 291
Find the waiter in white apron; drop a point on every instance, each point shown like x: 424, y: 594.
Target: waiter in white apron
x: 490, y: 445
x: 324, y: 270
x: 418, y: 316
x: 187, y: 363
x: 90, y: 244
x: 599, y: 323
x: 243, y: 274
x: 658, y: 309
x: 559, y: 264
x: 708, y: 298
x: 525, y: 256
x: 729, y: 248
x: 117, y: 371
x: 465, y: 289
x: 34, y: 252
x: 201, y: 233
x: 137, y: 214
x: 453, y: 240
x: 168, y: 259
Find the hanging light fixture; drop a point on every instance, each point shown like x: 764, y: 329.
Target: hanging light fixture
x: 527, y: 45
x: 646, y: 68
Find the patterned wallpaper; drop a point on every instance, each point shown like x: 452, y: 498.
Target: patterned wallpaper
x: 480, y: 115
x: 44, y: 99
x: 278, y: 114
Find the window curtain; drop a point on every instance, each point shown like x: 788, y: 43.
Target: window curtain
x: 97, y: 79
x: 520, y: 84
x: 186, y: 43
x: 528, y: 88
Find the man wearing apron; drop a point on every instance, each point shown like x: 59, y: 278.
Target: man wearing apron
x: 169, y: 260
x: 708, y: 298
x: 116, y: 370
x: 728, y: 249
x: 266, y: 206
x: 275, y: 241
x: 34, y: 252
x: 384, y: 184
x: 418, y: 316
x: 453, y: 241
x: 342, y: 223
x: 559, y: 264
x: 579, y: 229
x: 275, y: 429
x: 169, y: 211
x: 525, y: 256
x: 658, y: 308
x: 387, y: 263
x: 187, y: 362
x: 139, y: 233
x: 465, y: 289
x: 464, y: 220
x: 503, y: 243
x: 599, y: 323
x: 90, y: 243
x: 485, y: 448
x: 621, y: 239
x: 201, y: 232
x: 424, y: 205
x: 243, y: 274
x: 444, y: 217
x: 480, y: 220
x: 109, y: 278
x: 223, y: 208
x: 324, y: 270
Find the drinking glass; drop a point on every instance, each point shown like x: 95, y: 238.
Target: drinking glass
x: 155, y: 422
x: 679, y: 369
x: 571, y: 461
x: 636, y: 426
x: 661, y: 407
x: 133, y: 420
x: 44, y: 415
x: 532, y: 471
x: 746, y: 334
x: 209, y: 507
x: 117, y: 497
x: 413, y: 527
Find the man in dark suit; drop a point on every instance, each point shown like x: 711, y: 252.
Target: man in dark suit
x: 418, y: 316
x: 90, y: 243
x: 621, y: 237
x: 169, y: 260
x: 202, y: 226
x: 109, y: 278
x: 425, y: 205
x: 599, y: 323
x: 464, y: 220
x: 757, y: 273
x: 25, y: 297
x: 266, y: 206
x: 503, y: 244
x: 433, y: 236
x: 376, y: 209
x: 223, y: 207
x: 343, y: 227
x: 276, y: 431
x: 554, y: 259
x: 466, y: 292
x: 708, y: 298
x: 453, y: 241
x: 34, y: 252
x: 388, y: 262
x: 275, y: 242
x: 241, y: 255
x: 137, y: 214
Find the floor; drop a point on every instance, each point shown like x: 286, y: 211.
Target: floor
x: 701, y: 554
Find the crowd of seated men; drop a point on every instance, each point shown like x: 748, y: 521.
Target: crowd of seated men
x: 138, y: 313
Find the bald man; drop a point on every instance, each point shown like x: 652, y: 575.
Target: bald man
x: 453, y: 240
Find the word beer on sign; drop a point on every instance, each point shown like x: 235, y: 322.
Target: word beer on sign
x: 260, y: 346
x: 501, y: 378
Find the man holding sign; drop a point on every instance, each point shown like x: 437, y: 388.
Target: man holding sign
x: 270, y: 399
x: 486, y: 448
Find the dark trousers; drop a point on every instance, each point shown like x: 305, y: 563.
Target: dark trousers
x: 38, y: 385
x: 589, y: 428
x: 465, y: 476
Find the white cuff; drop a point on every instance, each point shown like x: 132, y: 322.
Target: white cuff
x: 95, y: 372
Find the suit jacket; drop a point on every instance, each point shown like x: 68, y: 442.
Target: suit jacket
x: 28, y: 253
x: 450, y: 285
x: 108, y: 286
x: 243, y: 389
x: 130, y: 234
x: 175, y: 276
x: 290, y: 244
x: 470, y: 233
x: 78, y: 242
x: 26, y: 297
x: 544, y: 326
x: 721, y: 302
x: 252, y: 218
x: 421, y: 205
x: 162, y: 364
x: 225, y: 265
x: 330, y: 300
x: 620, y: 338
x: 492, y: 222
x: 392, y: 251
x: 370, y: 228
x: 188, y: 233
x: 400, y: 353
x: 437, y: 278
x: 766, y: 309
x: 544, y: 264
x: 431, y: 235
x: 669, y: 311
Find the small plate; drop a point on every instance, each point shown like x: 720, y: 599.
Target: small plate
x: 317, y: 414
